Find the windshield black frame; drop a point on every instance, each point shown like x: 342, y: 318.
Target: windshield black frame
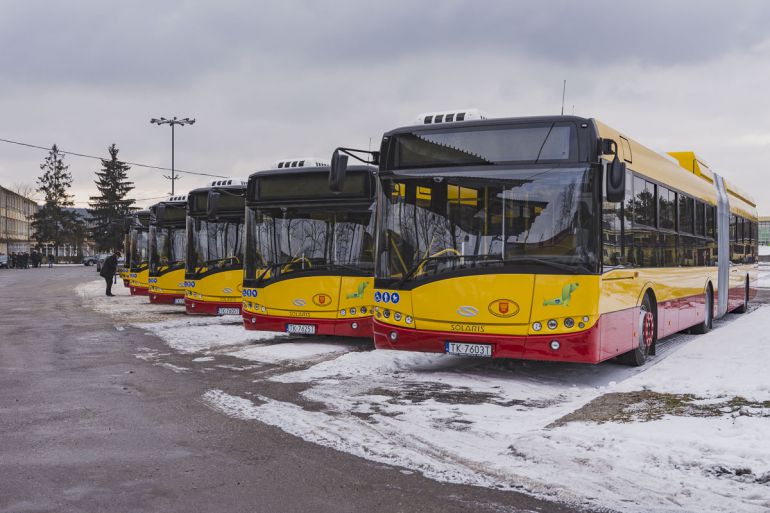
x: 471, y: 199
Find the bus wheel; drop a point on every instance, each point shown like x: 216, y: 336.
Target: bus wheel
x: 708, y: 316
x: 745, y: 306
x: 647, y: 330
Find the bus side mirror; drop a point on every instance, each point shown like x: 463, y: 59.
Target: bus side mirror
x: 213, y: 204
x: 337, y: 171
x: 616, y: 181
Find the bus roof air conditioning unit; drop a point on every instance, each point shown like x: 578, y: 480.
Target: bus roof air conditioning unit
x: 451, y: 116
x: 301, y: 162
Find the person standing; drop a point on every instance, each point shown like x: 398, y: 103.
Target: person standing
x: 109, y: 267
x: 50, y: 260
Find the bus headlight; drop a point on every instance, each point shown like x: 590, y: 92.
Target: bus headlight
x: 408, y: 319
x: 342, y: 312
x: 397, y: 316
x: 352, y: 310
x: 537, y: 326
x: 552, y: 324
x: 569, y: 322
x: 386, y: 313
x: 363, y: 310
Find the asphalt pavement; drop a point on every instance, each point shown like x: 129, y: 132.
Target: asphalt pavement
x: 87, y: 426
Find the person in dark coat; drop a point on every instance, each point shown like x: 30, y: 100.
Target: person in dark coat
x: 109, y: 267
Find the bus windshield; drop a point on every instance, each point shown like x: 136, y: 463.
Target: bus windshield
x: 536, y: 220
x: 167, y: 249
x: 213, y: 246
x: 139, y: 240
x: 284, y: 241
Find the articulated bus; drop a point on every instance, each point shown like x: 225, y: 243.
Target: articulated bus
x: 125, y: 270
x: 168, y: 222
x: 139, y: 265
x: 550, y: 238
x: 214, y: 270
x: 309, y: 251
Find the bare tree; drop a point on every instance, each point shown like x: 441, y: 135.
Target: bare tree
x: 26, y: 190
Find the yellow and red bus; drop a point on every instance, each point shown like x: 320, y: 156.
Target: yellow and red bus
x: 551, y: 238
x: 125, y: 268
x: 167, y: 243
x: 138, y: 260
x: 309, y: 251
x: 213, y: 268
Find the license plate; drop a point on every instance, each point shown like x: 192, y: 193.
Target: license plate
x: 178, y: 300
x: 229, y: 311
x: 461, y: 348
x: 301, y: 329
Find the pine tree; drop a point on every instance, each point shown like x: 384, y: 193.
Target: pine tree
x: 52, y: 223
x: 111, y: 206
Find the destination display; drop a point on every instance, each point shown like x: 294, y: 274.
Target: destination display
x: 311, y: 186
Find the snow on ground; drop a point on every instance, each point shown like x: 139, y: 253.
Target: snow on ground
x: 198, y: 334
x: 123, y: 306
x: 496, y: 424
x: 731, y: 361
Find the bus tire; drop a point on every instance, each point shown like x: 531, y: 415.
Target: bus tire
x: 647, y: 333
x: 745, y: 306
x: 708, y: 319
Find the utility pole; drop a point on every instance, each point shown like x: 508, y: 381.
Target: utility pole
x: 173, y: 122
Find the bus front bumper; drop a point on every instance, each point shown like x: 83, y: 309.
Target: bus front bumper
x: 353, y: 327
x: 166, y: 298
x: 580, y: 347
x: 138, y: 290
x: 200, y: 307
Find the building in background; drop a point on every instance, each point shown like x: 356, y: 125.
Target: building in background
x: 15, y: 222
x: 763, y: 238
x: 764, y: 231
x: 76, y: 249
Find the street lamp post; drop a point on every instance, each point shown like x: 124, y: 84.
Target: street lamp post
x: 173, y: 122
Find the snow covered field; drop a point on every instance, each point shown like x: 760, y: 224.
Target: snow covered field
x: 687, y: 432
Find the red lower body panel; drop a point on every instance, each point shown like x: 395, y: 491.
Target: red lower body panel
x: 139, y: 291
x: 337, y: 327
x: 160, y: 298
x: 574, y: 347
x: 195, y: 307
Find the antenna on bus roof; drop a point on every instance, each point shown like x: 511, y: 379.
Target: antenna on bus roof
x: 563, y: 91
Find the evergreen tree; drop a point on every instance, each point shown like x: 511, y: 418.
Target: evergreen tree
x: 52, y: 223
x: 111, y: 206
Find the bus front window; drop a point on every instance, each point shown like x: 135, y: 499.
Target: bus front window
x: 166, y: 248
x: 139, y: 240
x: 287, y: 241
x: 213, y: 246
x: 530, y: 221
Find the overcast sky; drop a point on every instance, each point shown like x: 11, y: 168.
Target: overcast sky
x: 271, y: 80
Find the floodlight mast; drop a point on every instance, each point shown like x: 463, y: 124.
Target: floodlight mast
x: 173, y: 122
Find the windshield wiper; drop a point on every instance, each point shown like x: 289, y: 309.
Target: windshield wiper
x: 422, y: 262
